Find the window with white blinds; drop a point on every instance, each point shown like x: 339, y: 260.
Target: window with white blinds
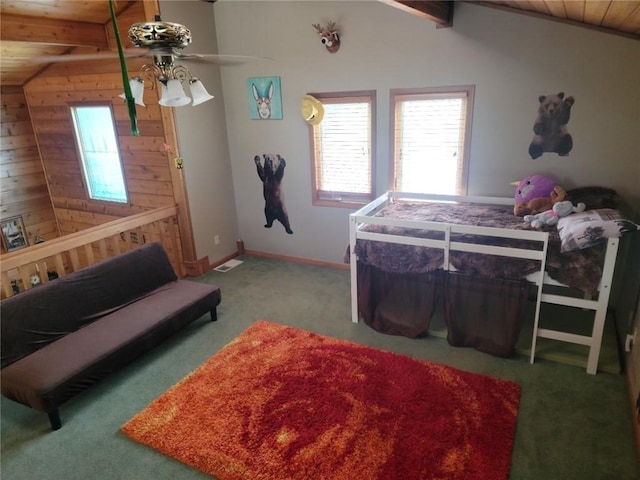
x: 342, y: 149
x: 432, y: 130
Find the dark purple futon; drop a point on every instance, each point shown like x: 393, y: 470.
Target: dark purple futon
x: 65, y: 335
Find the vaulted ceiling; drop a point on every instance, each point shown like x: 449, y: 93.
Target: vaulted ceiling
x: 619, y: 17
x: 36, y: 28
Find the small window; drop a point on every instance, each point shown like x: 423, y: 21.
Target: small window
x: 99, y: 153
x: 342, y: 149
x: 430, y: 149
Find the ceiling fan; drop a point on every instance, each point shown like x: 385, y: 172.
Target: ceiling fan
x: 161, y: 40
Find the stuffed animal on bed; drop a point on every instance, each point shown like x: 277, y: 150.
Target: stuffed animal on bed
x: 536, y: 194
x: 550, y: 217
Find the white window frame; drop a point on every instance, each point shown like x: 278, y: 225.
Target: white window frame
x: 333, y: 198
x: 397, y: 97
x: 120, y: 193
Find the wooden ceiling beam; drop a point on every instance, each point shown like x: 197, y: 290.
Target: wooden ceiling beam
x: 438, y: 11
x: 22, y: 28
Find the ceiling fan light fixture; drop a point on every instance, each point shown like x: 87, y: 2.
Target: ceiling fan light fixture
x: 198, y: 92
x: 137, y: 90
x: 173, y: 94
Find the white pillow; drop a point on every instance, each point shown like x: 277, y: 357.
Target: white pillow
x: 585, y: 229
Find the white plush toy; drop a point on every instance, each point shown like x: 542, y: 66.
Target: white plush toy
x: 550, y: 217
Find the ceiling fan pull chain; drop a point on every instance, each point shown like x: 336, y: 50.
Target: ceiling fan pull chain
x: 125, y: 75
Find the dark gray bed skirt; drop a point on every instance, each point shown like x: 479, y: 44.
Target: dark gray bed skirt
x: 480, y: 312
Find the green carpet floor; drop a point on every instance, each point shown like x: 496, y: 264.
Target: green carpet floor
x: 570, y: 426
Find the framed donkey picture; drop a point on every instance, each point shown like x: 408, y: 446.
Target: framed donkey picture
x: 265, y: 98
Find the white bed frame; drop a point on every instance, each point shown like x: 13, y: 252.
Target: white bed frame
x: 364, y: 217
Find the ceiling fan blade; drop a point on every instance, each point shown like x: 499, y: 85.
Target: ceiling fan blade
x: 84, y: 57
x: 137, y: 52
x: 217, y: 59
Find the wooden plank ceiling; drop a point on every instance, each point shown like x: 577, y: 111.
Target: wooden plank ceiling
x: 34, y: 28
x: 619, y: 17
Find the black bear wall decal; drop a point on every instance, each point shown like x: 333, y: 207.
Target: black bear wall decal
x: 271, y: 174
x: 550, y: 127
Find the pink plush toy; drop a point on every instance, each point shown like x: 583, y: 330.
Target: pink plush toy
x: 550, y: 217
x: 533, y: 186
x: 535, y: 194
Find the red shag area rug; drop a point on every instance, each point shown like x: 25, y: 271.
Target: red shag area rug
x: 280, y: 403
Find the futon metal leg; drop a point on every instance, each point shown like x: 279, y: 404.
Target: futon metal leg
x: 54, y: 418
x: 214, y: 315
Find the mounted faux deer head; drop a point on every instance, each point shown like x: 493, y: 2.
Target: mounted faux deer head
x: 329, y: 36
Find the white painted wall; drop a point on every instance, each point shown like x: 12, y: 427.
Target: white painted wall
x: 202, y: 139
x: 511, y: 59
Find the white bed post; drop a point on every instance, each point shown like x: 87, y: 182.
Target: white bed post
x: 603, y: 303
x: 536, y: 318
x: 353, y: 263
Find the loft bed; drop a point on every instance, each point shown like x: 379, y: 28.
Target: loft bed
x: 409, y: 235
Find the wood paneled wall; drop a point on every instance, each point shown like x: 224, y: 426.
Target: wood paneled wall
x: 23, y: 187
x: 146, y: 163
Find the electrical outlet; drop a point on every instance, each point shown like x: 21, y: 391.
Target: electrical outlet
x: 216, y: 239
x: 628, y: 343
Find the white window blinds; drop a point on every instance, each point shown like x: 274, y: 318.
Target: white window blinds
x: 430, y: 141
x: 342, y: 150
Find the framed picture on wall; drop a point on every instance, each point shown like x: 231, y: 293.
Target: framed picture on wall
x: 14, y: 234
x: 265, y: 98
